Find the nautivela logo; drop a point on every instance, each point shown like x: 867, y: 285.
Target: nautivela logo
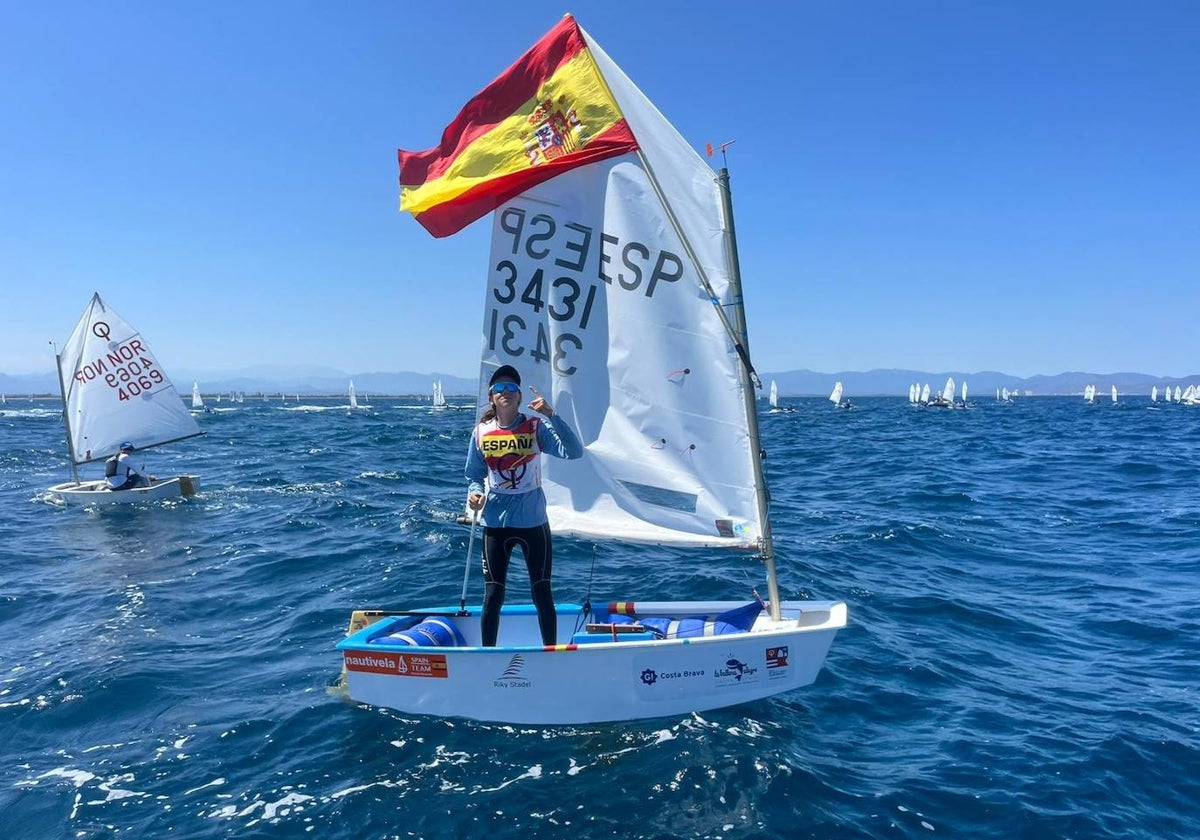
x: 397, y: 664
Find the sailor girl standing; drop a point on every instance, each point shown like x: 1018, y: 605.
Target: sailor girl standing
x: 505, y: 449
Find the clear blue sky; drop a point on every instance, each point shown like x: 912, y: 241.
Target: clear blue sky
x: 932, y: 185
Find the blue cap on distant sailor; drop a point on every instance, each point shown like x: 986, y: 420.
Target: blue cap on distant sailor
x: 126, y: 447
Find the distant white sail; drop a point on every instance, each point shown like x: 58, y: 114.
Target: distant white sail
x: 836, y: 396
x: 912, y: 393
x: 964, y: 391
x: 353, y: 396
x: 948, y: 390
x: 439, y: 398
x: 1153, y: 393
x: 774, y: 394
x: 115, y: 389
x: 1114, y: 393
x: 197, y: 400
x: 925, y: 393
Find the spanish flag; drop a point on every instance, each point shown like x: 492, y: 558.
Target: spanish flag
x: 550, y: 112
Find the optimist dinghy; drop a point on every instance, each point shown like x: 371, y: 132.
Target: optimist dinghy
x: 613, y: 286
x: 114, y: 390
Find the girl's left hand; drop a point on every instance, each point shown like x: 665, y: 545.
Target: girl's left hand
x: 539, y: 403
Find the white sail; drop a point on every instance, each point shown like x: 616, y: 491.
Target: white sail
x: 774, y: 394
x: 631, y: 348
x: 439, y: 398
x: 836, y: 396
x: 1153, y: 393
x: 115, y: 390
x: 925, y: 393
x: 1114, y: 393
x: 1177, y: 393
x: 964, y: 392
x: 948, y: 390
x: 1004, y: 395
x: 197, y: 400
x: 353, y: 396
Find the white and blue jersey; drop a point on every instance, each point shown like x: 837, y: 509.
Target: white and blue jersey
x: 507, y: 457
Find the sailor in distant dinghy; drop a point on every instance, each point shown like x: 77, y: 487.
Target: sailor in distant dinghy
x: 120, y: 472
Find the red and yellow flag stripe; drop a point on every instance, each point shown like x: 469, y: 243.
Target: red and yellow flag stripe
x: 548, y: 113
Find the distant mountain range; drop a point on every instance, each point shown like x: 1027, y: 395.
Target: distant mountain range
x: 895, y: 382
x: 319, y: 380
x: 309, y: 381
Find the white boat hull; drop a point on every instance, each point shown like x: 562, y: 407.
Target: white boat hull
x: 588, y: 681
x: 97, y: 492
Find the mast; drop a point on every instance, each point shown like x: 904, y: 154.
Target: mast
x: 736, y: 330
x: 748, y: 379
x: 66, y: 415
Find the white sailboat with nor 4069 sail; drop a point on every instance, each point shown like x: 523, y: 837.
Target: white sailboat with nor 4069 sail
x: 654, y: 374
x: 114, y: 390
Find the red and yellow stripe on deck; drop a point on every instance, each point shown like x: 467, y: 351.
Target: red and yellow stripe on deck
x: 548, y: 113
x: 623, y: 608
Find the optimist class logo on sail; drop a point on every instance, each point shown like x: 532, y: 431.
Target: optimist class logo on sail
x: 545, y: 287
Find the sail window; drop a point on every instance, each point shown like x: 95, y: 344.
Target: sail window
x: 662, y: 497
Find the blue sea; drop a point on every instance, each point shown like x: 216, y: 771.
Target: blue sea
x: 1022, y: 657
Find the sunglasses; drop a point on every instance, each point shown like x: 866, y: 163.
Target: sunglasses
x: 506, y: 388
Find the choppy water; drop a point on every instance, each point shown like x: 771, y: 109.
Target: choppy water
x: 1021, y: 658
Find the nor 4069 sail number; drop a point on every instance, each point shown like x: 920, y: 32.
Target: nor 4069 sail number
x: 137, y: 376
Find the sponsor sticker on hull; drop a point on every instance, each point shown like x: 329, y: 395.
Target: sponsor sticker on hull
x: 777, y: 663
x: 735, y: 672
x: 397, y: 664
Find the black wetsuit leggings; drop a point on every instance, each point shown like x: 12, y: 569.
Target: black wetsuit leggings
x: 498, y: 545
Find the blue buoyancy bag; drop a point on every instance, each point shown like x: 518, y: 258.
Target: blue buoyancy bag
x: 737, y: 620
x: 432, y: 632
